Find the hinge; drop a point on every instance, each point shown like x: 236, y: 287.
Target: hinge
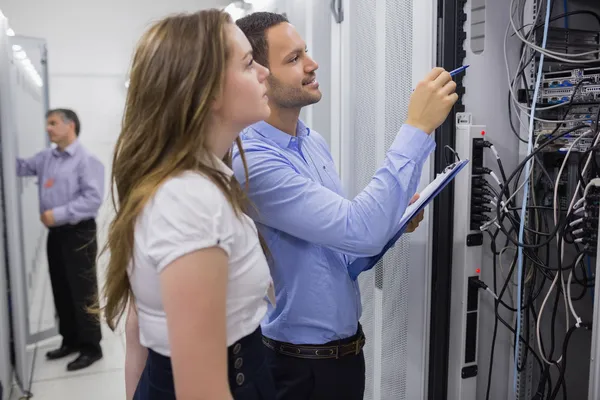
x: 337, y: 8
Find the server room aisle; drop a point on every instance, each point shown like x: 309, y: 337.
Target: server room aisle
x: 103, y: 380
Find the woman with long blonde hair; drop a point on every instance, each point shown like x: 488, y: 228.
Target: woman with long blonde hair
x: 182, y: 252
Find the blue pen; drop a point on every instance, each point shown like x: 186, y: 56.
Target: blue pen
x: 459, y: 70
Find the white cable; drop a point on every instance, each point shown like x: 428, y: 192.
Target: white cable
x: 593, y: 183
x: 553, y: 54
x: 504, y: 207
x: 493, y: 175
x: 560, y: 172
x: 577, y: 319
x: 576, y: 222
x: 515, y: 101
x: 562, y: 255
x: 559, y: 243
x: 492, y: 293
x: 493, y: 149
x: 537, y: 327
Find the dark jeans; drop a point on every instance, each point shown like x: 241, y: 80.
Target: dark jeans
x: 249, y: 375
x: 319, y: 379
x: 72, y: 251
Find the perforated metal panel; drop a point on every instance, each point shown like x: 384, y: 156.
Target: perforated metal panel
x: 398, y: 82
x: 385, y: 288
x: 365, y: 157
x: 365, y: 81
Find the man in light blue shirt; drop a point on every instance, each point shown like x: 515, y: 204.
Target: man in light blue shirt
x: 71, y: 190
x: 311, y: 229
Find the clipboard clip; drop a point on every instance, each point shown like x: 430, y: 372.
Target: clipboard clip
x: 450, y: 167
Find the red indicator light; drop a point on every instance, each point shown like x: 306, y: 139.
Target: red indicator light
x: 482, y: 133
x: 477, y: 271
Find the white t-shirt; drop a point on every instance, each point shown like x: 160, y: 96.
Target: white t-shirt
x: 190, y: 213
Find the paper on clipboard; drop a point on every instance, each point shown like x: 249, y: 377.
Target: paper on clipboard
x: 426, y: 196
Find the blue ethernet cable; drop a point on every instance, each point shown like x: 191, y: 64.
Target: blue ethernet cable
x: 525, y: 198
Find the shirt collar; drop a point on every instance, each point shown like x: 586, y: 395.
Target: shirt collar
x: 70, y: 150
x: 281, y: 138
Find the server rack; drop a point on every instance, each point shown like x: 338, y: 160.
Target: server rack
x: 472, y: 31
x: 23, y: 103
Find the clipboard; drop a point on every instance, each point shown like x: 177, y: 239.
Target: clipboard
x: 426, y: 196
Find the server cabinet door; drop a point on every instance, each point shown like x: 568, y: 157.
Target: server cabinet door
x: 23, y: 104
x: 385, y: 47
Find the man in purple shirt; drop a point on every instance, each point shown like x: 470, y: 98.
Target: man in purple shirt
x: 71, y: 189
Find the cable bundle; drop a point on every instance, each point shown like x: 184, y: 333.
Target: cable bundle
x: 543, y: 246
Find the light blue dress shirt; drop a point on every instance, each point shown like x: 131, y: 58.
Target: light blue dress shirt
x: 312, y: 230
x: 71, y: 182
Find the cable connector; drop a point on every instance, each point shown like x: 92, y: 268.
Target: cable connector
x: 493, y: 149
x: 479, y: 217
x: 480, y: 209
x: 481, y: 200
x: 478, y: 181
x: 587, y: 240
x: 481, y: 170
x: 486, y: 171
x: 478, y: 283
x: 483, y: 143
x: 481, y: 191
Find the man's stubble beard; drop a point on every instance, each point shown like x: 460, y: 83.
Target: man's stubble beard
x: 290, y: 97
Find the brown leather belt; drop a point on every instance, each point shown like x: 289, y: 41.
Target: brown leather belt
x: 317, y: 351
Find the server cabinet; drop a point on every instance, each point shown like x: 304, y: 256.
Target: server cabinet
x: 23, y: 103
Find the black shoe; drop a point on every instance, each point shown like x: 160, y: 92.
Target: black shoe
x: 62, y: 352
x: 83, y: 361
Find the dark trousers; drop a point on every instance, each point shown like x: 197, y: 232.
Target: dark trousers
x: 248, y: 371
x: 319, y: 379
x: 72, y: 251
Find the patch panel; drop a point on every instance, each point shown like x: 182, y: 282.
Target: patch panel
x: 564, y: 96
x: 547, y: 128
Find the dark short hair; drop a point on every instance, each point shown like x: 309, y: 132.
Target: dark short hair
x: 255, y: 27
x: 67, y: 116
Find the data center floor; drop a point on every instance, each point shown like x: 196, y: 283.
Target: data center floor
x: 51, y: 381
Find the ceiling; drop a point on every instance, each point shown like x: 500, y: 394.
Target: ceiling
x: 91, y: 37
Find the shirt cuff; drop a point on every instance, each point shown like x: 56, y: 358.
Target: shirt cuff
x: 61, y: 215
x: 413, y: 143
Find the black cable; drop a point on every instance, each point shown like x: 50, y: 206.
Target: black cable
x: 456, y: 157
x: 563, y: 365
x: 504, y: 189
x: 497, y: 303
x: 541, y: 231
x: 585, y: 154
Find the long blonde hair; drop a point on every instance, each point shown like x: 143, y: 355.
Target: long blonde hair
x: 178, y: 69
